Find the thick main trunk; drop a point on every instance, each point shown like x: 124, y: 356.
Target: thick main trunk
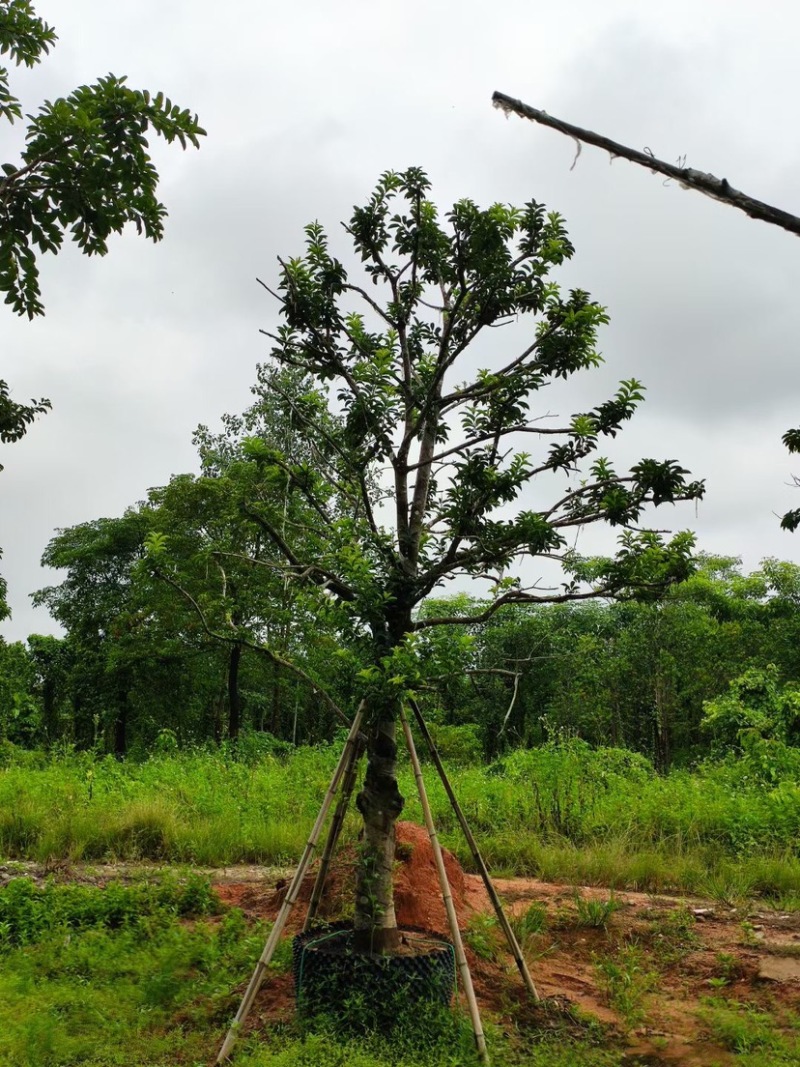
x: 380, y: 804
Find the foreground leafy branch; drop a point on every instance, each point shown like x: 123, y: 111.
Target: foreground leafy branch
x: 85, y: 170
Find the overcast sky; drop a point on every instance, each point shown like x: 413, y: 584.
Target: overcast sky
x: 305, y: 104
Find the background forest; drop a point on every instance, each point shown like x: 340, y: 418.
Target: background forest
x: 135, y: 667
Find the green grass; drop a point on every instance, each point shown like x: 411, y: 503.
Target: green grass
x: 318, y: 1050
x: 151, y: 974
x: 562, y: 813
x: 122, y: 975
x: 595, y: 914
x: 749, y: 1033
x: 626, y: 978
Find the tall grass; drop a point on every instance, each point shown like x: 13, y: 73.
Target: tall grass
x: 562, y: 813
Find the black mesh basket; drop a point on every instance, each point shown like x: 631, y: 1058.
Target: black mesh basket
x: 329, y: 976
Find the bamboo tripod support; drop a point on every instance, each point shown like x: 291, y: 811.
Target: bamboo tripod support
x: 345, y: 775
x: 337, y: 822
x: 510, y: 936
x: 452, y: 918
x: 291, y: 896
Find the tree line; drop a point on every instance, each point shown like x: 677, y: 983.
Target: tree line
x: 136, y: 659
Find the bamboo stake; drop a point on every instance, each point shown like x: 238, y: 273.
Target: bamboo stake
x: 717, y: 188
x: 511, y: 938
x: 452, y: 918
x: 348, y: 784
x: 292, y: 893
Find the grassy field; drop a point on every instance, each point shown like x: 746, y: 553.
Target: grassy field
x: 150, y: 972
x: 145, y: 974
x: 563, y: 813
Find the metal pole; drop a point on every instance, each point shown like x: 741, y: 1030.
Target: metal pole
x: 292, y: 893
x: 452, y: 918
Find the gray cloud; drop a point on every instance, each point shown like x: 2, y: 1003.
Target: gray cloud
x: 305, y: 105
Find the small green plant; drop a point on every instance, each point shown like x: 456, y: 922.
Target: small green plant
x: 626, y: 981
x: 481, y: 935
x: 733, y: 889
x: 529, y: 923
x: 750, y: 936
x: 729, y: 968
x: 595, y: 913
x: 674, y: 936
x: 403, y: 851
x: 739, y: 1028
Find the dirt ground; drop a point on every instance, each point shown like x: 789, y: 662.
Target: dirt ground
x: 645, y: 976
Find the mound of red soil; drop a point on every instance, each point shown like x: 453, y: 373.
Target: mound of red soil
x: 417, y: 892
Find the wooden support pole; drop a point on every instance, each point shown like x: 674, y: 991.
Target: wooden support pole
x: 452, y: 918
x: 292, y: 893
x: 511, y: 938
x: 348, y: 784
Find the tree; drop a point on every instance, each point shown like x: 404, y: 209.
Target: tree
x: 96, y: 604
x: 136, y: 660
x: 791, y: 439
x: 265, y: 606
x: 14, y: 421
x: 19, y: 714
x: 52, y: 661
x: 139, y: 659
x: 85, y: 171
x: 421, y: 459
x: 755, y: 706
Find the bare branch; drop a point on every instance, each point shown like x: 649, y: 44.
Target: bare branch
x: 320, y: 577
x: 524, y: 428
x: 271, y: 292
x: 687, y: 177
x: 514, y: 696
x: 514, y: 597
x: 311, y: 573
x: 372, y: 303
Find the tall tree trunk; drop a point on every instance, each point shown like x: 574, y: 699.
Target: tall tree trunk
x: 275, y: 724
x: 121, y: 724
x: 662, y: 746
x: 217, y: 711
x: 380, y: 804
x: 81, y: 722
x: 49, y: 712
x: 234, y: 697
